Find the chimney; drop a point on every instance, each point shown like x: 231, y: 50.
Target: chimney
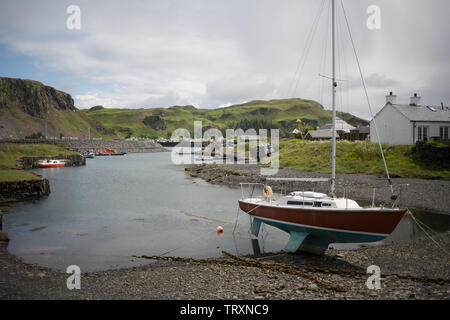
x: 391, y: 98
x: 442, y: 105
x: 415, y: 100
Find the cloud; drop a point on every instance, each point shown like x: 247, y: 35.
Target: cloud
x: 212, y: 53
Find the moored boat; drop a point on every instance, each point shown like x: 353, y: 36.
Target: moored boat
x: 109, y: 152
x: 89, y: 154
x: 51, y: 163
x: 315, y: 220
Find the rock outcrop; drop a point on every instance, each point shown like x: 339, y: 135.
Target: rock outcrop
x: 155, y: 122
x: 33, y: 97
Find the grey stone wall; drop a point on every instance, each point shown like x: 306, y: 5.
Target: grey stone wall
x: 117, y: 145
x: 23, y: 189
x: 433, y: 154
x: 81, y: 145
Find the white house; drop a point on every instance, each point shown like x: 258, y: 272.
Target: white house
x: 341, y: 125
x: 405, y: 124
x: 326, y: 132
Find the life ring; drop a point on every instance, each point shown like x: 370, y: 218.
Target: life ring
x: 267, y: 192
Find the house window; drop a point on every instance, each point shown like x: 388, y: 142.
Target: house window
x: 422, y: 133
x: 443, y: 133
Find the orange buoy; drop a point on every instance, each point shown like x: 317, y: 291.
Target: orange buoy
x: 219, y: 229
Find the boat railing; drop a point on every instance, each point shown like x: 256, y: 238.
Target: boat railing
x: 250, y: 188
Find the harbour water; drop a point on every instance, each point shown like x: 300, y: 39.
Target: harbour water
x: 101, y: 215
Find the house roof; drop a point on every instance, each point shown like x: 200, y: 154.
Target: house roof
x: 424, y: 112
x: 322, y: 134
x: 340, y: 125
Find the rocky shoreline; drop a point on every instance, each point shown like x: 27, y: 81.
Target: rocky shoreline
x: 419, y: 194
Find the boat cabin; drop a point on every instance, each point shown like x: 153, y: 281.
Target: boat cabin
x: 315, y: 200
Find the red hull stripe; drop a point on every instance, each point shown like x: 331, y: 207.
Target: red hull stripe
x: 51, y: 165
x: 377, y: 222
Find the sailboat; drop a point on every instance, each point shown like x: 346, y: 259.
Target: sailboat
x: 315, y: 220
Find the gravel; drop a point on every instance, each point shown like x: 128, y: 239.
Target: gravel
x: 174, y: 280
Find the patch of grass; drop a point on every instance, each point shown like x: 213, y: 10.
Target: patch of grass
x: 358, y: 157
x: 14, y: 175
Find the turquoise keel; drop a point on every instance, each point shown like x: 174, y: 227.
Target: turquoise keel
x: 256, y: 226
x: 315, y: 245
x: 295, y: 240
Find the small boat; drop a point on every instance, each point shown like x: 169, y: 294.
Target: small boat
x: 89, y: 154
x: 51, y: 163
x: 109, y: 152
x: 315, y: 220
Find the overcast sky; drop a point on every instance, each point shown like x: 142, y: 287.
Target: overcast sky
x: 212, y: 53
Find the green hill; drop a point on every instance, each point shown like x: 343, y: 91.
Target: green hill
x: 258, y: 114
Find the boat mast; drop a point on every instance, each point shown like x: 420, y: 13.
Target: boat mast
x: 334, y: 85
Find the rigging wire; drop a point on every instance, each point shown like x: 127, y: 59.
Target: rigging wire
x: 322, y: 66
x: 339, y: 72
x: 305, y: 53
x: 367, y: 97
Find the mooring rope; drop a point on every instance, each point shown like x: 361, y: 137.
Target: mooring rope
x: 426, y: 233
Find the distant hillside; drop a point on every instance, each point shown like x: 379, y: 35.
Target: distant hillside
x: 25, y: 104
x: 158, y: 122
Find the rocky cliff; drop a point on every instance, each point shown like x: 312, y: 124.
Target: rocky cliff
x: 33, y: 97
x: 28, y: 107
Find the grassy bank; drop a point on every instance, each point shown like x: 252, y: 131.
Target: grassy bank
x: 357, y: 157
x: 11, y: 152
